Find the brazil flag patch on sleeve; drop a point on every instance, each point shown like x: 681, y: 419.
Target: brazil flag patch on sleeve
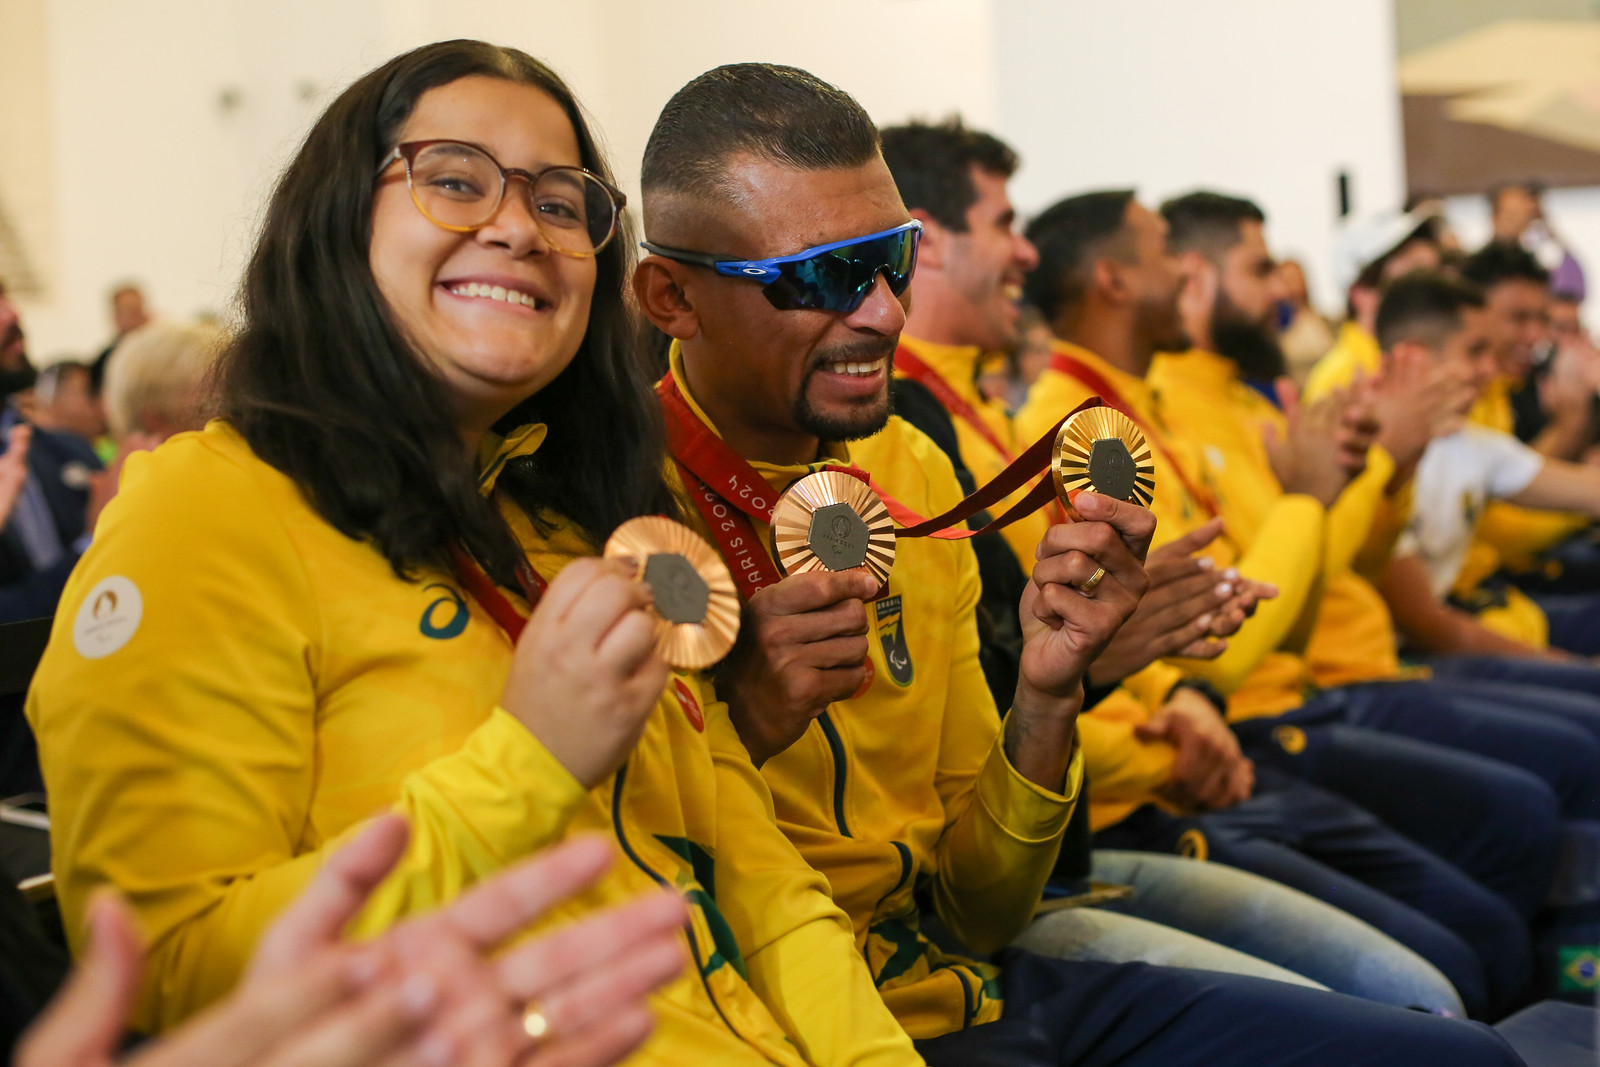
x: 1580, y: 968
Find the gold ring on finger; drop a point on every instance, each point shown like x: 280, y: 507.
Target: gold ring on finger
x: 1088, y: 587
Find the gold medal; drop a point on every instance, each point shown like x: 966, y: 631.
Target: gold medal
x: 694, y: 596
x: 1102, y: 450
x: 832, y: 521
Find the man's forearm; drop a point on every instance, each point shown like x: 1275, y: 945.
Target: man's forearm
x: 1566, y: 436
x: 1040, y: 733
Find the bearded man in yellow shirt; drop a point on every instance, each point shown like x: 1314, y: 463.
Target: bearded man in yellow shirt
x: 1215, y: 396
x: 1111, y: 289
x: 970, y: 267
x: 755, y: 179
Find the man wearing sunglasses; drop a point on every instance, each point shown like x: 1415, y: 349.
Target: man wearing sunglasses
x: 915, y: 782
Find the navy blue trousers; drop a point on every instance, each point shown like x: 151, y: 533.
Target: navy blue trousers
x: 1323, y: 845
x: 1553, y: 733
x: 1499, y: 823
x: 1575, y: 677
x: 1093, y: 1014
x: 1574, y: 622
x: 1572, y: 566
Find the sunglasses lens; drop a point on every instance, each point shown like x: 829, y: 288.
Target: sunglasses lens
x: 840, y: 279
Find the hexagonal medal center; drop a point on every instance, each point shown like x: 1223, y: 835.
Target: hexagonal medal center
x: 839, y: 537
x: 681, y: 595
x: 1112, y: 469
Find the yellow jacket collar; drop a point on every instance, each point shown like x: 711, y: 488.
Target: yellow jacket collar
x: 1361, y: 344
x: 956, y: 364
x: 1133, y: 390
x: 494, y: 451
x: 1199, y: 366
x: 675, y: 368
x: 833, y: 452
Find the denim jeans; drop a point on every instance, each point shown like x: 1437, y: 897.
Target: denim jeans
x: 1272, y: 922
x: 1322, y: 845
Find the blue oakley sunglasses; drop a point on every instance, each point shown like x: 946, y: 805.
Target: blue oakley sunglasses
x: 831, y: 277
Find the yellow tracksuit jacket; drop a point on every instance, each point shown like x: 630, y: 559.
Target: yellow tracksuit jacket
x: 1206, y: 403
x: 1355, y: 352
x: 257, y: 684
x: 1124, y: 770
x: 908, y: 784
x: 1286, y: 550
x: 958, y: 366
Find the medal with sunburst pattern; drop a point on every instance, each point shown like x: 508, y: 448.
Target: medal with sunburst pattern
x: 694, y: 595
x: 832, y: 521
x: 1104, y: 451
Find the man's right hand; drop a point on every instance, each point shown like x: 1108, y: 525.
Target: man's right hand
x: 802, y: 646
x: 1209, y: 772
x: 1414, y: 399
x: 1318, y: 455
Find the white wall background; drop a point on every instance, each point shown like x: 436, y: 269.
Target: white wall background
x: 168, y: 119
x: 1263, y: 98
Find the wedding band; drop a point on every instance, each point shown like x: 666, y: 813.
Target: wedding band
x: 534, y: 1022
x: 1088, y: 588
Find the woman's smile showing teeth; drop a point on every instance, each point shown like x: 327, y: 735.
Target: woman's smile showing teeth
x: 504, y: 294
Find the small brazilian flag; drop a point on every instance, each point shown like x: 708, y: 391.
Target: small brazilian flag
x: 1580, y: 968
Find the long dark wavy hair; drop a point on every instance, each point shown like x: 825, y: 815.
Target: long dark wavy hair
x: 325, y: 386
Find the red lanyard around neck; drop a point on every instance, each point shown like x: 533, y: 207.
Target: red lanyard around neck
x: 482, y: 588
x: 910, y: 364
x: 726, y: 490
x: 729, y: 493
x: 1097, y: 383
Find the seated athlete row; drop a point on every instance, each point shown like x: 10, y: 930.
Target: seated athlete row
x: 370, y: 584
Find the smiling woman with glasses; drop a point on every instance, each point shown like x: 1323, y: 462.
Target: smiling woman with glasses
x: 460, y: 186
x: 366, y: 587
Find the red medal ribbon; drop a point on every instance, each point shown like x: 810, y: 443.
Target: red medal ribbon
x: 482, y: 589
x: 729, y: 493
x: 957, y: 405
x: 1096, y: 382
x: 726, y: 490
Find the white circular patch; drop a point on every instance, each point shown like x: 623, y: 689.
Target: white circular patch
x: 108, y: 618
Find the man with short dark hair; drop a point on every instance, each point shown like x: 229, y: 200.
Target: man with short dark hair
x: 1114, y: 290
x: 969, y: 273
x: 1461, y: 473
x: 1506, y: 537
x: 64, y: 402
x: 779, y: 370
x: 1208, y: 402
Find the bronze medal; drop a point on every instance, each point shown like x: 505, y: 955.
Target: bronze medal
x: 1102, y: 450
x: 832, y: 521
x: 694, y: 595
